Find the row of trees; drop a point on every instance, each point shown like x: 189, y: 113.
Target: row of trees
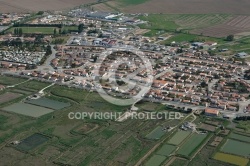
x: 18, y: 31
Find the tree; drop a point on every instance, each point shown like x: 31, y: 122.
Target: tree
x: 48, y: 50
x: 15, y: 31
x: 20, y: 32
x: 230, y: 38
x: 203, y: 84
x: 80, y: 28
x: 40, y: 13
x: 55, y: 31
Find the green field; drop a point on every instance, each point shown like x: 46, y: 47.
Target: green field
x: 240, y: 137
x: 27, y: 109
x: 228, y: 158
x: 155, y: 160
x: 157, y: 133
x: 32, y: 142
x: 239, y: 45
x: 183, y: 22
x: 166, y: 150
x: 132, y: 2
x: 178, y: 162
x: 191, y: 144
x: 179, y: 137
x: 33, y: 85
x: 236, y: 147
x: 181, y: 37
x: 7, y: 80
x: 48, y: 103
x: 38, y: 30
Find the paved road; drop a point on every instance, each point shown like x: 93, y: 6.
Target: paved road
x: 46, y: 66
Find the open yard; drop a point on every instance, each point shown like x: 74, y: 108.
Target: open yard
x: 228, y: 158
x: 191, y: 144
x: 236, y: 147
x: 27, y: 109
x: 179, y: 137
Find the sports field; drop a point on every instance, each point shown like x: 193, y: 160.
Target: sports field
x: 155, y: 160
x: 240, y: 137
x: 228, y: 158
x: 157, y: 133
x: 179, y: 137
x: 166, y: 150
x: 191, y: 144
x: 27, y: 109
x: 236, y: 147
x: 38, y: 30
x: 48, y: 103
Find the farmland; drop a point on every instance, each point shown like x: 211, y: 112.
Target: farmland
x: 36, y: 5
x: 157, y: 133
x: 166, y: 150
x: 191, y: 144
x: 228, y: 158
x: 179, y: 137
x: 27, y: 109
x: 184, y: 6
x: 194, y: 24
x: 240, y: 137
x: 155, y: 160
x: 235, y: 25
x: 236, y: 147
x: 8, y: 96
x: 32, y: 142
x: 48, y: 103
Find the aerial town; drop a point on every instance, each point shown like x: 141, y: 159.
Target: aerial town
x: 55, y: 64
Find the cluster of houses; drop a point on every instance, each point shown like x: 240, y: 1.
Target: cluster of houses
x: 10, y: 18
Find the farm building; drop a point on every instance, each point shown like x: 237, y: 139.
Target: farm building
x: 211, y: 112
